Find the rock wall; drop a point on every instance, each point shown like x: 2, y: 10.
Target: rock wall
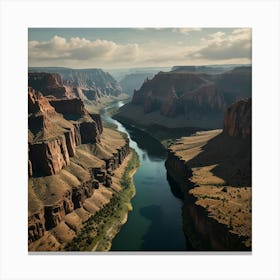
x: 89, y: 132
x: 238, y: 119
x: 49, y: 157
x: 51, y: 215
x: 72, y: 107
x: 56, y: 127
x: 55, y: 143
x: 198, y: 98
x: 37, y: 103
x: 117, y: 158
x: 204, y: 232
x: 178, y: 165
x: 36, y: 226
x: 87, y: 84
x: 98, y: 121
x: 47, y: 84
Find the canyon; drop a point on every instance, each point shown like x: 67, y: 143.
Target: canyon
x: 75, y: 165
x: 190, y: 130
x: 213, y: 171
x: 186, y: 100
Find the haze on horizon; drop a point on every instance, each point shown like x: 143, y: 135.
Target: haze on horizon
x: 113, y: 48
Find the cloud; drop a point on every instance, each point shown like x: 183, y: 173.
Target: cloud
x: 186, y: 31
x: 222, y: 46
x: 219, y: 46
x: 81, y: 49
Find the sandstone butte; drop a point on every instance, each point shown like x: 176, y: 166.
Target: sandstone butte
x: 214, y: 171
x: 74, y: 166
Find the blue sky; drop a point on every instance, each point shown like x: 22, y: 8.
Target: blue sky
x: 137, y: 47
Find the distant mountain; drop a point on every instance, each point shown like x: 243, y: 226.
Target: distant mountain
x: 134, y: 81
x: 187, y: 99
x: 208, y: 69
x: 119, y: 74
x: 87, y: 84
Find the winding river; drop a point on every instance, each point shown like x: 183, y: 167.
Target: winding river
x: 155, y: 224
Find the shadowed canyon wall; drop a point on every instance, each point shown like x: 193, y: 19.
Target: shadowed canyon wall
x: 229, y: 155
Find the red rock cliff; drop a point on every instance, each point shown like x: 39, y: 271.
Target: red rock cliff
x: 238, y: 119
x: 47, y: 84
x: 53, y: 139
x: 194, y: 96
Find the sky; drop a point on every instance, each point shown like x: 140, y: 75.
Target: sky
x: 114, y: 48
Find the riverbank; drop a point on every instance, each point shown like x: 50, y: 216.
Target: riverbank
x: 216, y: 190
x: 163, y: 134
x: 151, y: 226
x: 96, y: 107
x: 99, y: 230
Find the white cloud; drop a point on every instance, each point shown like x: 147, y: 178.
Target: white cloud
x: 77, y: 52
x: 186, y: 31
x: 219, y: 46
x: 81, y: 49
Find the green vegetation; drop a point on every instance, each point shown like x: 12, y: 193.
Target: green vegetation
x: 94, y: 231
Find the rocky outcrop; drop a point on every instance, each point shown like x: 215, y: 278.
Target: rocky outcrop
x: 177, y: 163
x: 40, y: 112
x: 238, y: 119
x: 49, y: 157
x: 98, y: 121
x: 117, y: 158
x: 52, y: 214
x: 46, y: 156
x: 53, y: 139
x: 38, y: 104
x: 187, y: 99
x: 157, y: 93
x: 205, y: 233
x: 36, y: 226
x: 47, y: 84
x: 69, y: 107
x: 87, y: 84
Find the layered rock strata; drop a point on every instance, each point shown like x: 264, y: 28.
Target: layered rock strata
x: 213, y: 171
x: 56, y: 206
x: 48, y: 84
x: 87, y: 84
x: 71, y: 157
x: 187, y: 99
x: 53, y: 138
